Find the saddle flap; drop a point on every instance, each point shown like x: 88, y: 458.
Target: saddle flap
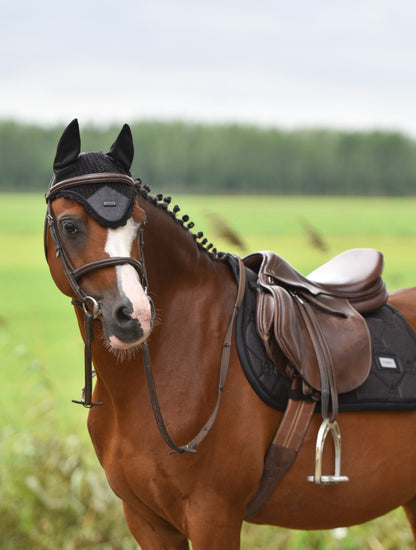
x: 265, y: 323
x: 301, y: 330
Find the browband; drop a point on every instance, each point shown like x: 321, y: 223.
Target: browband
x: 101, y: 177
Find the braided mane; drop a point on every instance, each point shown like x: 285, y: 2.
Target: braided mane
x: 164, y: 203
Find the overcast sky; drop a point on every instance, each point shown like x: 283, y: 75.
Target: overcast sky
x: 347, y: 63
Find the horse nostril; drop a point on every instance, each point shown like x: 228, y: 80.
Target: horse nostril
x: 120, y: 322
x: 123, y: 313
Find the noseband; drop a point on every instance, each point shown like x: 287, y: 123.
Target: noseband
x: 90, y: 306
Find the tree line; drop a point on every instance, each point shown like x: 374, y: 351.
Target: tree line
x: 225, y: 158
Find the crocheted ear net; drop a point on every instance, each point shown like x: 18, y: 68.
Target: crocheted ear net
x: 110, y: 204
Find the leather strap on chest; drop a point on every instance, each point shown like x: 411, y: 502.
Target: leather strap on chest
x: 225, y: 360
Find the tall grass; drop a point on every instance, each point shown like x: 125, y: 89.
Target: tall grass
x: 51, y: 496
x: 53, y: 493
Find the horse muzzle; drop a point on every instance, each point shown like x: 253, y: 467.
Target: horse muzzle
x: 124, y: 326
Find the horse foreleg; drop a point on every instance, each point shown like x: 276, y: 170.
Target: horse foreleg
x: 410, y: 509
x: 214, y: 525
x: 153, y: 533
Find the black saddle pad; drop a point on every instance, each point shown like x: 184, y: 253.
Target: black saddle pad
x: 391, y: 384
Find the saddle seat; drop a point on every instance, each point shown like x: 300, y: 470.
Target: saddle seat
x: 356, y: 275
x: 312, y: 326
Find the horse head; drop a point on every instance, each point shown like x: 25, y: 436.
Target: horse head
x: 93, y: 236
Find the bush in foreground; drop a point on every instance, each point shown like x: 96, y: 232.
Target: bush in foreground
x: 51, y: 498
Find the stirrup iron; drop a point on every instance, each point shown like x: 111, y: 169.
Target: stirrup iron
x: 326, y: 427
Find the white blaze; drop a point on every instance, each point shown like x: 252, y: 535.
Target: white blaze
x: 119, y: 243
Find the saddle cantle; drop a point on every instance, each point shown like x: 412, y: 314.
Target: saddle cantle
x: 355, y: 275
x: 312, y: 326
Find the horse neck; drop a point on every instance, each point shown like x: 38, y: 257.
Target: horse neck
x: 172, y: 256
x: 193, y: 293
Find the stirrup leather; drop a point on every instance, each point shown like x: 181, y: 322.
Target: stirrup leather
x: 326, y: 427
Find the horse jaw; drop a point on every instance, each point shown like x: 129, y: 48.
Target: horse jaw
x: 136, y: 306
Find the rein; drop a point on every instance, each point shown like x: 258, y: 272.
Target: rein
x: 225, y: 360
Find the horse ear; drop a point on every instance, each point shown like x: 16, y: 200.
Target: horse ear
x: 122, y: 150
x: 69, y: 146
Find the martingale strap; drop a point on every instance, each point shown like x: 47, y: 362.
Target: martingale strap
x: 225, y: 359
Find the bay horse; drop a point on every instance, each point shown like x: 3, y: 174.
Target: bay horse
x: 146, y: 286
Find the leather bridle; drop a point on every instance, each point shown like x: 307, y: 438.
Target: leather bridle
x: 89, y: 304
x: 92, y: 310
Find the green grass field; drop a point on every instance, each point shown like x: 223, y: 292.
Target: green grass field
x: 42, y: 368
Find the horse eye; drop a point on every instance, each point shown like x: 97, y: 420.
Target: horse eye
x: 69, y: 228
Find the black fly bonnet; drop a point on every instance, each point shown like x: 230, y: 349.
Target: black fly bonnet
x: 100, y: 182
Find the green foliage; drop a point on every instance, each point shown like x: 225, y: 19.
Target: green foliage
x: 51, y: 497
x: 176, y: 156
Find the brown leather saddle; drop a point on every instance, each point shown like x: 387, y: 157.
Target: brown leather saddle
x: 313, y: 330
x: 312, y: 326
